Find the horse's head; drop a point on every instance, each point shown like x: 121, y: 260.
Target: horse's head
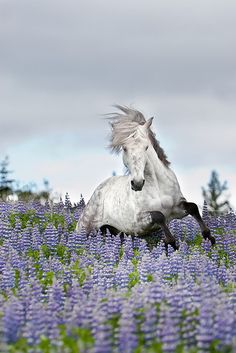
x: 135, y: 155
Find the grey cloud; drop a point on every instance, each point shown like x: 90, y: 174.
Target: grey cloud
x: 63, y: 63
x: 167, y: 47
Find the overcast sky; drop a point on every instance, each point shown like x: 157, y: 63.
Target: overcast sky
x: 65, y: 63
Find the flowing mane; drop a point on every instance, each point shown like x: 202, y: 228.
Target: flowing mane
x: 123, y: 125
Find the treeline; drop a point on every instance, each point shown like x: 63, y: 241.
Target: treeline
x: 12, y: 189
x: 214, y: 194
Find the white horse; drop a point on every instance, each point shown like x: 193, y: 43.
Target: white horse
x: 149, y: 196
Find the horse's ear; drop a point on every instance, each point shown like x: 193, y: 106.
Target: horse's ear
x: 148, y: 122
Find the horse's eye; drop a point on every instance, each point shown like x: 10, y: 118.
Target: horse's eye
x: 146, y: 148
x: 124, y: 149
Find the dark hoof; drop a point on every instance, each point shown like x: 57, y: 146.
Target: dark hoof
x: 173, y: 244
x: 212, y: 239
x: 207, y: 235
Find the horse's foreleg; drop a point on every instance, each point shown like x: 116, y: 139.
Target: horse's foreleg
x: 157, y: 218
x: 192, y: 210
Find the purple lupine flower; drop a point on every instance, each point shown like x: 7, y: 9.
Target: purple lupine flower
x: 206, y: 245
x: 36, y: 290
x: 145, y: 267
x: 5, y: 228
x: 143, y: 248
x: 158, y: 250
x: 107, y: 256
x: 128, y: 248
x: 51, y: 236
x: 149, y: 326
x: 26, y: 239
x: 182, y: 284
x: 122, y: 273
x: 127, y: 338
x: 71, y: 243
x: 81, y: 239
x: 7, y: 278
x: 52, y: 320
x: 167, y: 330
x: 188, y: 328
x: 222, y: 274
x: 37, y: 237
x: 101, y: 329
x: 67, y: 278
x: 36, y: 322
x: 103, y: 337
x: 13, y: 320
x: 205, y: 333
x: 20, y: 207
x: 205, y: 213
x: 224, y: 326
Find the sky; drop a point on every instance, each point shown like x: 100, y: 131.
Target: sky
x: 64, y: 64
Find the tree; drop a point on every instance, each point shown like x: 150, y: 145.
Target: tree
x: 28, y: 192
x: 214, y: 195
x: 6, y: 182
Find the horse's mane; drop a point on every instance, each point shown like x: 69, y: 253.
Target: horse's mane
x: 123, y: 125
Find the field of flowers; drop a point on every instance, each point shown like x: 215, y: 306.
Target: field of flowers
x: 62, y: 292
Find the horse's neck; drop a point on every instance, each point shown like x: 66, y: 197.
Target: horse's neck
x: 156, y: 171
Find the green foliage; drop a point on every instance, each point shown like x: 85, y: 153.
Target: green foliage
x: 198, y: 240
x: 46, y: 251
x: 156, y: 347
x: 134, y: 278
x: 121, y: 252
x: 149, y: 278
x: 78, y: 340
x: 47, y: 280
x: 17, y: 278
x: 24, y: 218
x: 21, y: 346
x: 34, y: 254
x: 45, y: 345
x: 81, y: 273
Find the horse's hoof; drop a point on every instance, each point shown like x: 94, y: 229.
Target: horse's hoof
x: 207, y: 235
x: 173, y: 244
x: 212, y: 240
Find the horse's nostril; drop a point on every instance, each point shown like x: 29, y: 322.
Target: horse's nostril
x: 132, y: 182
x: 143, y: 181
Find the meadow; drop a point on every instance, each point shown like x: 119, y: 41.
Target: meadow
x: 63, y: 292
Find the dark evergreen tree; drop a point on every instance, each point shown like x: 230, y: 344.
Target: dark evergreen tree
x: 6, y: 183
x: 214, y: 195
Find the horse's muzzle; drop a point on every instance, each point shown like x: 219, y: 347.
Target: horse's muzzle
x: 137, y: 186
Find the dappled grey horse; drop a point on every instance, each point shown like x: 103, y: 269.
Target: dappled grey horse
x: 148, y: 196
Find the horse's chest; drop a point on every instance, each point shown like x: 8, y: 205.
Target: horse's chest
x: 164, y: 200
